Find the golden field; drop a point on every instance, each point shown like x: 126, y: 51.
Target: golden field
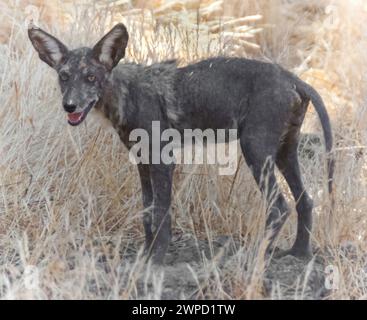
x: 70, y: 208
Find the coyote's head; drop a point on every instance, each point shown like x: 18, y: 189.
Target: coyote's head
x: 82, y: 72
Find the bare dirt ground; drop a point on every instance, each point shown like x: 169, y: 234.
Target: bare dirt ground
x: 185, y: 273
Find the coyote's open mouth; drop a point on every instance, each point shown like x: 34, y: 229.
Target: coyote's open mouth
x: 77, y: 118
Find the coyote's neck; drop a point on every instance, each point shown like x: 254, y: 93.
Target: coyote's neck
x: 109, y: 111
x: 130, y: 83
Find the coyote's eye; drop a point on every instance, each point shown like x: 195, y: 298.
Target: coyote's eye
x: 91, y: 78
x: 64, y: 76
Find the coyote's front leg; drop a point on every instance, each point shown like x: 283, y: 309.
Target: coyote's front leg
x: 147, y: 197
x: 157, y: 219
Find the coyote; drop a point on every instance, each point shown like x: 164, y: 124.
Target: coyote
x: 264, y: 102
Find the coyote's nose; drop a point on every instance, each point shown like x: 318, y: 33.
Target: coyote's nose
x: 69, y: 107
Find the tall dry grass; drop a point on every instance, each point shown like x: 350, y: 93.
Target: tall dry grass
x: 70, y: 196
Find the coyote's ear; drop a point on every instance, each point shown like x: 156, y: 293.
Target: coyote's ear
x: 50, y: 50
x: 111, y: 48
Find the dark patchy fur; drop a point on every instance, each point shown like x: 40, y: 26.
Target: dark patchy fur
x: 263, y: 101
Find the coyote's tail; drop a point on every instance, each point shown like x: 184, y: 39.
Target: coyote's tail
x: 319, y: 105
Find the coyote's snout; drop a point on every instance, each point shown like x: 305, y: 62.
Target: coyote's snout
x: 263, y: 102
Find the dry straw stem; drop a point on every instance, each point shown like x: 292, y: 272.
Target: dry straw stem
x: 71, y: 199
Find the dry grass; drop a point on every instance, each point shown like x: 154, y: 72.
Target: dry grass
x: 70, y: 195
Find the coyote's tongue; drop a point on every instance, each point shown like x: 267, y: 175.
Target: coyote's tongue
x: 75, y: 117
